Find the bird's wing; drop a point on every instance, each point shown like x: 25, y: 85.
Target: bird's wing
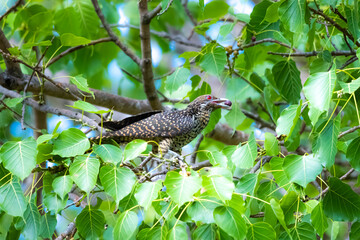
x: 117, y: 125
x: 164, y: 125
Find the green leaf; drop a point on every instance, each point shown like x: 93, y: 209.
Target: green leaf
x: 147, y: 192
x: 202, y: 209
x: 292, y: 15
x: 353, y: 153
x: 62, y: 185
x: 71, y: 40
x: 84, y: 171
x: 70, y: 143
x: 181, y: 188
x: 126, y: 226
x: 108, y: 153
x: 90, y: 223
x: 215, y: 9
x: 235, y: 116
x: 244, y: 156
x: 204, y: 231
x: 287, y: 121
x: 355, y: 231
x: 261, y: 230
x: 217, y: 158
x: 31, y: 222
x: 89, y: 21
x: 177, y: 232
x: 275, y: 206
x: 303, y: 231
x: 341, y: 203
x: 276, y: 164
x: 12, y: 102
x: 214, y: 61
x: 230, y: 220
x: 54, y: 203
x: 287, y: 78
x: 246, y: 183
x: 351, y: 86
x: 66, y: 20
x: 272, y: 14
x: 47, y: 225
x: 290, y: 204
x: 326, y: 149
x: 87, y: 107
x: 352, y: 16
x: 177, y: 79
x: 318, y: 89
x: 81, y: 84
x: 134, y: 149
x: 271, y: 144
x: 302, y: 169
x: 12, y: 199
x: 19, y: 157
x: 117, y: 182
x: 226, y: 29
x: 214, y: 119
x: 319, y: 220
x: 44, y: 138
x: 40, y: 21
x: 218, y: 183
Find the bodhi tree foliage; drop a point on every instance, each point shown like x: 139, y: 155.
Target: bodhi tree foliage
x: 284, y: 163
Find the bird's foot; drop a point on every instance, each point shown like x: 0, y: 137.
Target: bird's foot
x: 180, y: 160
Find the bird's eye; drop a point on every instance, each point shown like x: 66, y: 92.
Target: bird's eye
x: 208, y: 97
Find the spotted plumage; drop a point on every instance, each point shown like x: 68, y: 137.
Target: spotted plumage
x: 170, y: 129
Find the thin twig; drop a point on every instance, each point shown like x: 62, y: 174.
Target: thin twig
x: 143, y: 163
x: 313, y: 53
x: 41, y: 74
x: 72, y: 49
x: 330, y: 20
x: 80, y: 198
x: 266, y: 40
x: 349, y: 61
x: 13, y: 8
x: 261, y: 162
x: 69, y: 230
x: 18, y: 115
x: 49, y: 109
x: 347, y: 174
x: 353, y: 129
x: 113, y: 36
x: 196, y: 148
x: 329, y: 37
x: 167, y: 7
x: 28, y: 83
x: 153, y: 13
x: 258, y: 119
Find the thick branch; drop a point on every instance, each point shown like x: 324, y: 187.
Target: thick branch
x: 104, y: 99
x: 313, y: 53
x: 49, y: 109
x: 146, y: 61
x: 224, y: 133
x: 70, y: 50
x: 11, y: 66
x: 113, y: 36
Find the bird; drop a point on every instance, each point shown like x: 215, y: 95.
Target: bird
x: 167, y: 130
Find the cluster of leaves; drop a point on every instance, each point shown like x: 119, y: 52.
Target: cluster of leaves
x: 237, y: 197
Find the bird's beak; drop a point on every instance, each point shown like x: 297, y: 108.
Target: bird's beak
x: 222, y: 103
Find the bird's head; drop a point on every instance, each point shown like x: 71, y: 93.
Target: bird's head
x: 209, y: 102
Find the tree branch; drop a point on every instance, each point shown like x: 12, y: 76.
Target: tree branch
x: 49, y: 109
x: 353, y: 129
x: 146, y: 60
x: 113, y: 36
x: 153, y: 13
x: 266, y: 40
x: 13, y: 8
x: 11, y: 66
x: 347, y: 174
x: 313, y: 53
x: 104, y: 99
x: 330, y: 20
x: 72, y: 49
x: 176, y: 38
